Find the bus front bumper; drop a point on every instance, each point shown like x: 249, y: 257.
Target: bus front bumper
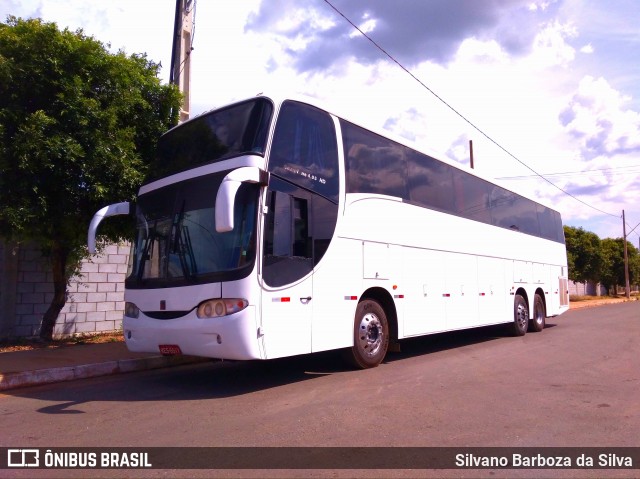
x: 228, y: 337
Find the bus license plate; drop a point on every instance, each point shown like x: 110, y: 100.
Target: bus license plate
x: 170, y: 349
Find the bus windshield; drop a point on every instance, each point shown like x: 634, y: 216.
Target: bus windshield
x: 235, y: 130
x: 177, y: 243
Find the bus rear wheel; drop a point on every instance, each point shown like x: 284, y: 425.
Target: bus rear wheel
x: 520, y: 316
x: 370, y: 335
x: 537, y: 322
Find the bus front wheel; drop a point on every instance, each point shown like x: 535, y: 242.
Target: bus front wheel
x: 520, y: 316
x: 371, y: 335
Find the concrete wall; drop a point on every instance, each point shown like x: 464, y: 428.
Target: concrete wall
x: 592, y: 289
x: 95, y: 299
x: 586, y: 289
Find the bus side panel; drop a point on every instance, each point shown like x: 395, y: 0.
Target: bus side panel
x: 494, y: 300
x: 423, y: 284
x: 461, y: 293
x: 337, y: 285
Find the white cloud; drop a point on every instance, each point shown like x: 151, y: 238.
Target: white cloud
x: 598, y: 120
x: 367, y: 26
x: 588, y: 49
x: 550, y: 47
x: 535, y: 6
x: 511, y: 68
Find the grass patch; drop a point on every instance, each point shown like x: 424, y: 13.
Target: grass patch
x: 580, y: 298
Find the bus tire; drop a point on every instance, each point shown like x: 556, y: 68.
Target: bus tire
x: 537, y: 321
x: 371, y: 335
x: 520, y: 316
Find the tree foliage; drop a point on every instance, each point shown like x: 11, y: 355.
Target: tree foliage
x: 602, y: 261
x: 584, y: 255
x: 78, y: 127
x: 613, y: 257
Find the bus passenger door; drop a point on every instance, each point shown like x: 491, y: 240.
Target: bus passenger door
x: 287, y: 264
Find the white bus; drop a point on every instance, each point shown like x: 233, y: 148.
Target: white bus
x: 272, y: 228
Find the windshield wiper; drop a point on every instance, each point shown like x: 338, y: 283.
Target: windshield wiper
x: 147, y: 248
x: 181, y: 245
x: 186, y: 252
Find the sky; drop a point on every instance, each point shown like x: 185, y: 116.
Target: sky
x: 541, y: 87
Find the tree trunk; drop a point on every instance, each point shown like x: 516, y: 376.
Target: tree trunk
x: 59, y: 256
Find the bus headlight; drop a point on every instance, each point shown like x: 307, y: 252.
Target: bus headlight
x: 131, y: 310
x: 215, y: 308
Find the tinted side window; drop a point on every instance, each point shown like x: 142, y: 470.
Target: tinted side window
x: 299, y: 226
x: 524, y: 211
x: 431, y: 182
x: 374, y: 164
x: 305, y: 149
x: 501, y: 202
x: 235, y: 130
x: 472, y: 197
x: 547, y: 220
x: 559, y: 228
x: 512, y: 211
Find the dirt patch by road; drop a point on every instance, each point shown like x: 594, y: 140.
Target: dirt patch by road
x: 26, y: 344
x: 591, y: 301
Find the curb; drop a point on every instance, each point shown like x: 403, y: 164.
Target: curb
x: 84, y: 371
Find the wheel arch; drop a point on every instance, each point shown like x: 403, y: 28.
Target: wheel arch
x: 540, y: 292
x: 385, y: 300
x: 523, y: 292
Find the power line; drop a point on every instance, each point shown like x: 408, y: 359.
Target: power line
x: 388, y: 55
x: 628, y: 169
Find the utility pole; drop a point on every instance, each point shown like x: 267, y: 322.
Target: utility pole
x: 180, y: 73
x: 626, y: 249
x: 627, y: 289
x: 471, y: 153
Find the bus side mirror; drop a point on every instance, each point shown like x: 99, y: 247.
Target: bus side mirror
x: 111, y: 210
x: 226, y: 197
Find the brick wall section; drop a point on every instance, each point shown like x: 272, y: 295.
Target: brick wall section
x: 34, y: 290
x: 95, y: 298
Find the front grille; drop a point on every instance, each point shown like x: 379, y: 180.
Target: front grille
x: 166, y: 314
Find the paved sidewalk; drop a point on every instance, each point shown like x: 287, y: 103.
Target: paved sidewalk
x: 42, y: 366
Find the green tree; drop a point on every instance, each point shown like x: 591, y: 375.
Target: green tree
x: 78, y: 126
x: 613, y: 264
x: 634, y: 264
x: 584, y: 254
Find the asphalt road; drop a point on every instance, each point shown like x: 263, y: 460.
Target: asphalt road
x: 577, y: 383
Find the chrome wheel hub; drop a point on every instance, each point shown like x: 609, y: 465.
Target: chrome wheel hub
x: 370, y: 334
x: 522, y: 316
